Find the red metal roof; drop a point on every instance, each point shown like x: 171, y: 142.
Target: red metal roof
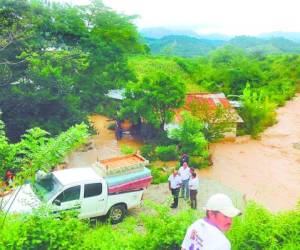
x: 213, y: 100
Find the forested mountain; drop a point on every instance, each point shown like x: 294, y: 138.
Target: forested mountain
x: 160, y: 32
x: 191, y: 46
x: 182, y: 45
x: 293, y: 36
x: 267, y: 46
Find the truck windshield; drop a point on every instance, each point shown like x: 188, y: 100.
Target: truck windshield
x: 46, y: 187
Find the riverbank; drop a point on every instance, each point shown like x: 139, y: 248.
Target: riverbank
x: 265, y: 170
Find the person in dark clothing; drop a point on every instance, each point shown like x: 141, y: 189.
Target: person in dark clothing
x: 174, y: 187
x: 184, y: 158
x: 118, y: 130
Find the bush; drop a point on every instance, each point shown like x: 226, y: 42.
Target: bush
x: 159, y: 174
x: 260, y: 229
x: 159, y: 228
x: 257, y: 112
x: 41, y: 232
x: 190, y: 136
x: 147, y: 151
x: 198, y: 162
x: 127, y: 150
x: 166, y: 153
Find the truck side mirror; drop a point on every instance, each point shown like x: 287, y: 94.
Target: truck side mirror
x: 57, y: 202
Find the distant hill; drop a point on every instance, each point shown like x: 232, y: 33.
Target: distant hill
x: 160, y: 32
x: 293, y: 36
x: 188, y: 46
x: 182, y: 46
x: 267, y: 46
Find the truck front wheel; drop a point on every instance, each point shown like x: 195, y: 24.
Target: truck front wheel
x: 117, y: 213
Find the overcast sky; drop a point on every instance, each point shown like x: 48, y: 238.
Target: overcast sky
x: 230, y: 17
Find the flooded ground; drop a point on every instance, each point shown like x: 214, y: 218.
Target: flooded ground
x: 265, y: 170
x: 103, y: 145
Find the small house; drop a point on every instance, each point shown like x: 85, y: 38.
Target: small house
x: 208, y: 103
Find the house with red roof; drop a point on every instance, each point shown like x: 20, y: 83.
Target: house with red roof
x: 211, y: 101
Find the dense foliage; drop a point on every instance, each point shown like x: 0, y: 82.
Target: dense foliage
x: 37, y: 150
x: 158, y: 228
x: 57, y: 62
x: 272, y: 78
x: 260, y: 229
x: 257, y: 112
x: 154, y: 98
x: 190, y: 137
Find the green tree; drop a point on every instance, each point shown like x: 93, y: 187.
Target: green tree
x: 37, y: 150
x: 190, y: 136
x: 154, y: 99
x: 63, y: 58
x: 233, y: 69
x: 256, y: 111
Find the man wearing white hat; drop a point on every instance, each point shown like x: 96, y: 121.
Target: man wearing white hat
x: 207, y: 233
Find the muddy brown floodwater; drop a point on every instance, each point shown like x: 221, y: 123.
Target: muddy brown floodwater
x: 103, y: 145
x: 265, y: 170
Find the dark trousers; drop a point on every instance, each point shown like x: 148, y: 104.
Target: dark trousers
x: 175, y: 193
x: 193, y: 196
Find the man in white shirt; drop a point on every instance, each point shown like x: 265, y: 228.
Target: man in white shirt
x: 174, y: 187
x: 193, y: 186
x: 206, y: 233
x: 185, y: 174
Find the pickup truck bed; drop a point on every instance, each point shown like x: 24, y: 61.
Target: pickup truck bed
x: 125, y: 173
x: 131, y: 185
x: 120, y: 179
x: 123, y: 164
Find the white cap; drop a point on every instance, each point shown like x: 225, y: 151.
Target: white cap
x: 222, y: 203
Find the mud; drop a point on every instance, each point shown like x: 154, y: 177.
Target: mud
x: 103, y: 144
x: 265, y: 170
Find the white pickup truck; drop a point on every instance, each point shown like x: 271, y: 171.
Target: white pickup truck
x: 81, y: 189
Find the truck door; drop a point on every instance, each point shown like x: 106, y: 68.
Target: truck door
x: 94, y: 200
x: 69, y: 199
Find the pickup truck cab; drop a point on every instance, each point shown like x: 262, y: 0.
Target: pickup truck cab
x: 81, y: 189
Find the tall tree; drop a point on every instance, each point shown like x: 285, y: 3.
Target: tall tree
x: 59, y: 61
x: 154, y: 99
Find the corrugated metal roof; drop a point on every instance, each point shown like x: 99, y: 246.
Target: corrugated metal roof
x: 213, y: 100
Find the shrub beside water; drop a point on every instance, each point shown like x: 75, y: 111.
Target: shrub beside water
x: 148, y: 152
x: 159, y: 174
x: 126, y: 150
x: 166, y: 153
x: 198, y: 162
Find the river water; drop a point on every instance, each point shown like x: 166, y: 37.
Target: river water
x: 265, y: 170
